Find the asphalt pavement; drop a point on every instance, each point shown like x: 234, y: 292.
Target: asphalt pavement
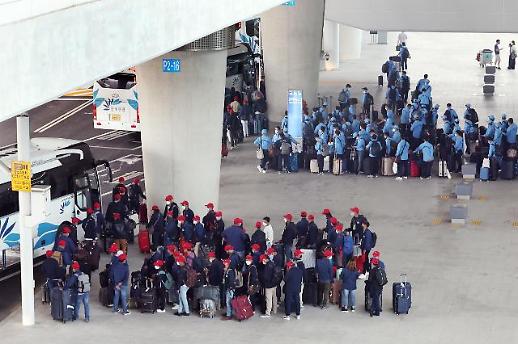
x: 71, y: 118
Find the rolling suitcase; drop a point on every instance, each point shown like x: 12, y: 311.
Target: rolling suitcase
x: 309, y: 294
x: 56, y: 303
x: 93, y: 254
x: 415, y: 171
x: 507, y: 169
x: 380, y: 80
x: 106, y: 296
x: 493, y: 169
x: 337, y: 166
x: 242, y: 308
x: 69, y: 305
x: 326, y: 164
x: 386, y: 166
x: 224, y: 150
x: 360, y: 262
x: 484, y: 174
x: 147, y: 302
x: 207, y: 308
x: 402, y: 296
x: 313, y: 166
x: 143, y: 241
x: 293, y: 161
x: 208, y: 292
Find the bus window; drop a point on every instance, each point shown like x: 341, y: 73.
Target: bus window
x: 82, y: 199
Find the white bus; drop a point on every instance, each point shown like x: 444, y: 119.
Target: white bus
x: 76, y: 181
x: 115, y: 102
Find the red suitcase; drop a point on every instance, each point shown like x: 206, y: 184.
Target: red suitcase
x: 224, y: 150
x: 415, y: 171
x: 360, y: 263
x: 242, y: 308
x: 143, y: 241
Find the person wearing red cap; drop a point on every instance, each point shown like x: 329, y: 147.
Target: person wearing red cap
x: 187, y: 212
x: 367, y: 243
x: 268, y: 231
x: 156, y: 227
x: 52, y: 270
x: 209, y: 222
x: 219, y: 227
x: 302, y: 229
x: 187, y: 229
x: 293, y: 283
x: 270, y: 285
x: 116, y: 215
x: 288, y: 236
x: 100, y: 222
x: 79, y: 283
x: 120, y: 277
x: 135, y: 195
x: 215, y: 273
x: 171, y: 229
x: 120, y: 188
x: 356, y: 224
x: 235, y: 236
x: 324, y: 272
x: 89, y: 225
x: 377, y: 255
x: 312, y: 237
x: 160, y: 283
x: 338, y: 245
x: 170, y: 205
x: 69, y: 248
x: 377, y: 279
x: 199, y: 231
x: 180, y: 277
x: 259, y: 237
x: 297, y: 259
x: 250, y: 281
x: 230, y: 287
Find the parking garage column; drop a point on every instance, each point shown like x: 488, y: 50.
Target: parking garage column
x: 350, y: 42
x: 292, y: 41
x: 182, y: 115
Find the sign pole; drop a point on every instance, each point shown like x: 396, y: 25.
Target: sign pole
x: 26, y: 244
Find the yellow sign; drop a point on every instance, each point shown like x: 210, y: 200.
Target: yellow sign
x: 116, y: 117
x: 21, y: 176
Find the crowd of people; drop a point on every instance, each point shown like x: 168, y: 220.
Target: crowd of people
x: 188, y: 253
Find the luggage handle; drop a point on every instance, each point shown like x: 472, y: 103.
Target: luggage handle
x: 404, y: 278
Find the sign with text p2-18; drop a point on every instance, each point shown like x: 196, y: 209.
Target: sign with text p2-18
x: 171, y: 65
x: 295, y: 113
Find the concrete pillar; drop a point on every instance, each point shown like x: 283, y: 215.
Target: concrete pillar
x: 182, y: 116
x: 331, y: 44
x: 350, y: 42
x: 292, y: 41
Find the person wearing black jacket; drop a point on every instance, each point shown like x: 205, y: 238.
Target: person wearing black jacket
x: 268, y: 283
x: 135, y: 194
x: 259, y: 237
x: 288, y: 236
x: 170, y: 206
x: 312, y: 238
x: 218, y: 234
x: 230, y: 286
x: 250, y: 282
x: 187, y: 212
x: 156, y: 227
x: 215, y: 272
x: 302, y: 229
x: 297, y: 259
x: 180, y: 277
x: 375, y: 289
x: 356, y: 224
x: 52, y: 271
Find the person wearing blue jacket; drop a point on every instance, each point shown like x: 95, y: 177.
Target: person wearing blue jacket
x: 359, y: 147
x: 199, y: 230
x: 426, y: 149
x: 339, y: 147
x: 367, y: 242
x: 349, y: 276
x: 119, y: 276
x: 171, y: 229
x: 319, y: 147
x: 348, y: 246
x: 292, y: 286
x: 264, y: 143
x: 66, y: 257
x: 402, y: 159
x: 490, y: 132
x: 417, y: 130
x: 447, y: 125
x: 511, y: 131
x: 230, y: 287
x: 235, y: 236
x: 324, y: 273
x: 458, y: 149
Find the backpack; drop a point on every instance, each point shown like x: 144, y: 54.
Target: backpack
x: 239, y: 279
x: 83, y: 283
x: 473, y: 116
x: 285, y: 148
x: 277, y: 275
x: 384, y: 67
x: 341, y: 97
x: 370, y: 99
x: 381, y: 277
x: 375, y: 149
x: 374, y: 238
x: 192, y: 278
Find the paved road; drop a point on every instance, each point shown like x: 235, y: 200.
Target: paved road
x: 71, y: 118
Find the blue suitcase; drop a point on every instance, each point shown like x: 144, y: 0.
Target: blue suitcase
x: 484, y: 174
x: 293, y: 162
x: 401, y: 296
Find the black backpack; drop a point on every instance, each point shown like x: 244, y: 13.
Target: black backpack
x: 375, y: 149
x: 473, y: 116
x: 374, y: 238
x: 381, y: 277
x: 384, y: 67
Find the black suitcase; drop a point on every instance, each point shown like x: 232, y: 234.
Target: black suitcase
x: 148, y: 301
x: 493, y: 169
x: 380, y: 80
x: 401, y: 297
x: 507, y: 169
x: 94, y: 253
x: 106, y: 296
x: 62, y: 304
x: 310, y: 294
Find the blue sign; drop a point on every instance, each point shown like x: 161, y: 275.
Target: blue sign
x: 289, y: 3
x: 295, y: 113
x: 171, y: 65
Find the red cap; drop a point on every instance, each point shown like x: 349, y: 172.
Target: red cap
x: 236, y: 98
x: 66, y: 230
x: 123, y: 257
x: 169, y: 197
x: 303, y: 213
x: 49, y: 253
x: 271, y: 250
x: 117, y: 197
x: 375, y: 261
x: 180, y: 259
x: 89, y: 211
x: 113, y: 248
x: 328, y: 253
x: 97, y: 205
x: 171, y: 248
x: 339, y: 227
x: 311, y: 217
x: 158, y: 263
x: 256, y: 247
x: 229, y: 248
x: 181, y: 218
x: 75, y: 220
x: 210, y: 205
x: 62, y: 243
x: 226, y: 261
x: 376, y: 254
x: 326, y: 211
x: 238, y: 221
x: 136, y: 181
x: 196, y: 218
x: 75, y: 265
x: 333, y: 221
x: 211, y: 255
x: 355, y: 210
x: 288, y: 216
x: 219, y: 213
x: 186, y: 245
x: 249, y: 257
x: 121, y: 180
x: 263, y: 257
x: 290, y: 264
x: 258, y: 224
x: 185, y: 203
x: 297, y: 253
x: 155, y: 208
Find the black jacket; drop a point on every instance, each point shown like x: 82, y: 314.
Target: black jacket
x: 289, y: 234
x: 312, y: 238
x: 52, y: 270
x: 259, y: 237
x: 268, y: 275
x: 215, y: 273
x: 230, y: 279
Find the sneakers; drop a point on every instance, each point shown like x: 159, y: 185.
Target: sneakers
x: 259, y: 168
x: 352, y: 309
x: 265, y: 316
x: 188, y: 314
x: 160, y: 310
x: 344, y: 310
x: 405, y: 177
x: 175, y: 306
x: 399, y: 178
x: 126, y: 313
x: 286, y: 317
x: 370, y: 176
x: 263, y: 171
x: 298, y: 317
x: 178, y: 314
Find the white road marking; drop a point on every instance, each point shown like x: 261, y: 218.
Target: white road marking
x: 63, y: 117
x: 114, y: 148
x: 109, y: 135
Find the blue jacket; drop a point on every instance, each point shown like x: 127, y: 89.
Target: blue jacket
x: 339, y: 144
x: 510, y: 134
x: 317, y: 128
x: 498, y: 136
x: 458, y: 143
x: 319, y: 147
x: 324, y: 270
x: 188, y: 231
x: 199, y: 232
x: 490, y: 132
x: 402, y: 150
x: 360, y: 144
x: 264, y: 142
x: 338, y: 242
x: 427, y: 149
x: 367, y: 242
x: 70, y: 247
x: 293, y: 280
x: 405, y: 115
x: 492, y: 150
x: 396, y: 136
x: 417, y: 128
x: 355, y: 124
x: 235, y: 236
x: 348, y: 246
x: 120, y: 273
x: 67, y: 257
x: 389, y: 124
x: 284, y: 123
x: 349, y: 278
x: 447, y: 127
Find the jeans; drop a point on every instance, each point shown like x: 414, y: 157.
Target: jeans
x: 184, y: 304
x: 359, y: 158
x: 284, y: 162
x: 83, y: 298
x: 245, y: 128
x: 229, y: 296
x: 323, y: 292
x: 288, y: 248
x: 292, y: 300
x: 348, y: 298
x: 121, y: 296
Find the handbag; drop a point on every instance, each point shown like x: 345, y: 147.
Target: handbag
x: 260, y: 154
